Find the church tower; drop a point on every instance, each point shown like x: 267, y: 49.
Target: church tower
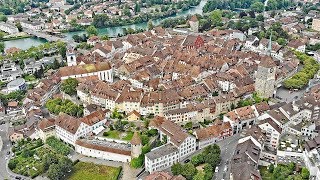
x: 136, y: 145
x: 265, y: 77
x: 194, y: 24
x: 71, y: 56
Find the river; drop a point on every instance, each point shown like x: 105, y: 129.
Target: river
x: 111, y: 31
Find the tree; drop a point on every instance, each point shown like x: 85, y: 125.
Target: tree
x: 2, y: 46
x: 3, y: 18
x: 199, y: 176
x: 105, y: 37
x: 137, y: 7
x: 260, y: 17
x: 188, y: 125
x: 18, y: 25
x: 208, y: 171
x: 176, y: 169
x: 69, y: 86
x: 62, y: 51
x: 216, y: 17
x: 281, y: 41
x: 271, y: 168
x: 197, y: 159
x: 150, y: 25
x: 305, y: 173
x: 92, y: 31
x: 189, y: 171
x: 257, y: 6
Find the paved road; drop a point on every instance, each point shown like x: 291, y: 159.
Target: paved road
x: 227, y: 147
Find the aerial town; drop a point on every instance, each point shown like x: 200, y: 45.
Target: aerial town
x: 160, y: 90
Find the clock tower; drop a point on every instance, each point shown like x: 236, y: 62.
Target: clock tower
x: 266, y: 77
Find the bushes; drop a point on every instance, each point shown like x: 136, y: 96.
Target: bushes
x: 152, y: 132
x: 301, y: 79
x: 58, y: 146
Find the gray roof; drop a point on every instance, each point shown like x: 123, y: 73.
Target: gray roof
x: 162, y: 151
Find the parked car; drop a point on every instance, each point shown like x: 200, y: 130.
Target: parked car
x: 217, y: 169
x: 187, y: 160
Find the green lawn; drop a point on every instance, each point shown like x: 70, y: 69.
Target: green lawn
x: 114, y: 134
x: 83, y: 170
x: 128, y: 137
x: 29, y: 77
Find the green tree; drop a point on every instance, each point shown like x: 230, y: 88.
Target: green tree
x: 137, y: 7
x: 197, y: 159
x: 176, y: 169
x: 69, y: 86
x: 305, y: 173
x: 257, y: 7
x: 199, y: 176
x: 208, y: 170
x: 281, y: 41
x: 216, y: 17
x: 18, y: 25
x: 150, y: 25
x: 271, y: 168
x: 189, y: 171
x: 92, y: 31
x: 2, y: 46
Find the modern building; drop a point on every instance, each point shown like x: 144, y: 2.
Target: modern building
x: 16, y: 85
x: 178, y: 145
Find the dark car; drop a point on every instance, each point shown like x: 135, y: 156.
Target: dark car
x: 187, y: 160
x: 17, y: 177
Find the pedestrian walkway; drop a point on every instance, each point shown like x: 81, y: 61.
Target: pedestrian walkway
x: 129, y: 173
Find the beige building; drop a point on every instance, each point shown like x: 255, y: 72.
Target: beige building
x: 45, y: 129
x: 316, y: 24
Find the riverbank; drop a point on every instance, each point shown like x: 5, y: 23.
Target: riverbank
x: 16, y: 37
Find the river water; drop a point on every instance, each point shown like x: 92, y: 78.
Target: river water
x: 111, y: 31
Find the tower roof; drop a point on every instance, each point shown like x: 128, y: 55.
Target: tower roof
x: 267, y: 62
x: 136, y: 140
x: 194, y: 18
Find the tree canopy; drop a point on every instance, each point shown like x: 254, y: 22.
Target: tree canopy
x: 69, y: 86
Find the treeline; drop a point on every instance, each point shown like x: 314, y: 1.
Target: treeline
x: 301, y: 79
x: 255, y: 5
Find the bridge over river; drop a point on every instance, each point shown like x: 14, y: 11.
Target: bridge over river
x: 49, y: 37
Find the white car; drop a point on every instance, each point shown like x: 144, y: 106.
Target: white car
x: 217, y: 169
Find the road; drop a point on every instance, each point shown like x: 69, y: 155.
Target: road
x: 227, y: 147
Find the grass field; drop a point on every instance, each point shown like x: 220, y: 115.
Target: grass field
x: 83, y: 170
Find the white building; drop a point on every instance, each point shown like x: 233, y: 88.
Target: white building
x: 70, y: 129
x: 33, y: 25
x: 102, y: 70
x: 179, y: 145
x: 16, y: 85
x: 8, y: 28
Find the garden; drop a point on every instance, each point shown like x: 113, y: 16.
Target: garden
x: 201, y: 166
x: 33, y: 158
x: 58, y: 105
x: 84, y: 170
x: 284, y: 172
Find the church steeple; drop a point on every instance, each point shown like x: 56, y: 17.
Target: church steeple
x: 270, y: 45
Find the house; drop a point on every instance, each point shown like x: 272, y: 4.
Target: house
x: 212, y: 134
x: 192, y: 42
x: 298, y: 44
x: 69, y: 129
x: 179, y: 145
x: 244, y: 162
x: 315, y: 24
x: 15, y: 136
x: 8, y: 28
x: 162, y: 175
x: 45, y: 129
x: 311, y: 157
x: 241, y: 118
x: 33, y: 25
x: 134, y: 116
x: 9, y: 71
x: 31, y: 66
